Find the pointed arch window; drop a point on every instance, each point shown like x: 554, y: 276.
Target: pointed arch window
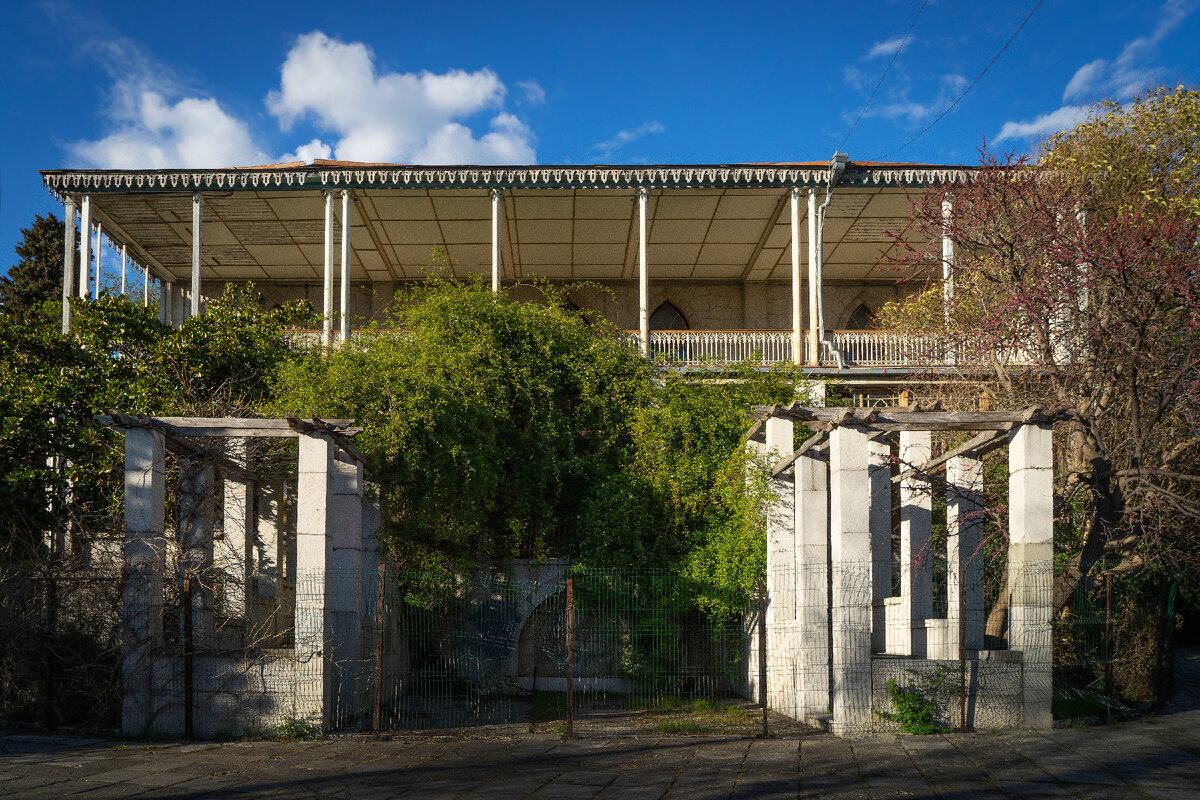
x: 861, y: 320
x: 668, y: 318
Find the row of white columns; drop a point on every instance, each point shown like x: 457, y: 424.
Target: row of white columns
x: 85, y: 250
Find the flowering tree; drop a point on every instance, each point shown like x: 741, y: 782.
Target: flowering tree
x: 1076, y: 286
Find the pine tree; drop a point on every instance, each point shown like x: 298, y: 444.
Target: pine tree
x: 37, y: 277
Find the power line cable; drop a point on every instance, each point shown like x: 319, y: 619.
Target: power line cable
x: 888, y: 69
x: 969, y: 88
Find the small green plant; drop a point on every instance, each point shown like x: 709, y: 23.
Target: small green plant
x: 914, y: 711
x: 296, y: 730
x: 681, y: 726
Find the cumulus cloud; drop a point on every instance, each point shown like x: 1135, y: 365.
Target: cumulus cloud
x: 1120, y: 79
x: 886, y: 47
x: 606, y: 148
x: 395, y: 116
x: 901, y: 108
x: 309, y: 152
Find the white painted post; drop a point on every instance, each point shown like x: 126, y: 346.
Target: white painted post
x: 145, y: 287
x: 327, y: 307
x: 495, y: 240
x: 68, y: 287
x: 124, y: 264
x: 812, y: 567
x: 142, y: 578
x: 345, y: 287
x: 850, y: 555
x: 1031, y: 563
x: 964, y: 540
x: 916, y: 554
x: 879, y: 469
x: 643, y: 275
x: 947, y: 257
x: 197, y: 222
x: 814, y: 279
x: 85, y: 245
x: 781, y: 527
x: 797, y: 324
x: 314, y: 492
x: 96, y: 283
x: 345, y: 579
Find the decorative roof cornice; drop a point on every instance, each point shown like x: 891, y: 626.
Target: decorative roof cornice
x: 744, y: 176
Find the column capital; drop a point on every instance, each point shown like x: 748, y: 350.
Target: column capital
x: 643, y: 191
x: 795, y: 192
x: 496, y: 193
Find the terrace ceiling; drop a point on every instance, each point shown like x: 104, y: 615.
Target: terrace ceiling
x: 573, y: 232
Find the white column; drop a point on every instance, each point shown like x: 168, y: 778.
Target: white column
x: 197, y: 223
x: 797, y: 324
x: 327, y: 307
x: 850, y: 562
x: 879, y: 470
x: 124, y: 265
x: 495, y: 240
x: 68, y: 287
x: 781, y: 527
x: 142, y: 577
x: 1031, y: 563
x: 916, y: 554
x: 643, y: 275
x: 165, y: 294
x: 345, y: 287
x: 814, y: 278
x: 145, y: 287
x: 96, y: 283
x: 178, y: 307
x: 964, y: 540
x: 314, y: 493
x: 812, y: 567
x: 947, y: 257
x: 85, y: 245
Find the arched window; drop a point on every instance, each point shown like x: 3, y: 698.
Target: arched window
x: 861, y: 320
x: 668, y: 318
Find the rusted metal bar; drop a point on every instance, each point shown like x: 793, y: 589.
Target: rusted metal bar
x: 1108, y: 647
x: 377, y: 704
x: 188, y: 666
x: 762, y: 656
x: 570, y: 658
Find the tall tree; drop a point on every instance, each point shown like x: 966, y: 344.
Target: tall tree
x: 1077, y: 285
x: 37, y: 276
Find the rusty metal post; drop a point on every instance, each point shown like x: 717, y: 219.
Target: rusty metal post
x: 570, y: 658
x: 1108, y: 647
x: 378, y: 700
x: 188, y: 666
x: 962, y: 650
x: 762, y: 656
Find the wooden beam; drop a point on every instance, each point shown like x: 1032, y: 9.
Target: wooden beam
x: 237, y: 427
x: 896, y: 419
x: 982, y: 443
x: 809, y: 444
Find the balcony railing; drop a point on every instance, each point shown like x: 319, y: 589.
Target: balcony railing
x: 696, y: 347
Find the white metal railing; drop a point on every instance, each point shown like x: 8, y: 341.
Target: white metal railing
x: 695, y: 347
x: 888, y: 349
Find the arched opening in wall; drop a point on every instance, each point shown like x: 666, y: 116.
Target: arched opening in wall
x: 861, y: 320
x: 668, y: 318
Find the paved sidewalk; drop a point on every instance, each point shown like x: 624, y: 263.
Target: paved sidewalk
x: 1157, y: 757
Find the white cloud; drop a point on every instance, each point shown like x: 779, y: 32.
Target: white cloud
x: 1128, y: 74
x: 308, y: 152
x: 1044, y: 125
x: 913, y: 113
x: 886, y: 47
x: 152, y: 132
x: 621, y: 138
x: 535, y: 95
x: 403, y: 117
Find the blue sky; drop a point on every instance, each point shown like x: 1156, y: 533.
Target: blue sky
x: 154, y: 84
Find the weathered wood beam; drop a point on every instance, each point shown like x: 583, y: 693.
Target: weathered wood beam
x: 808, y: 444
x: 984, y: 442
x: 247, y: 427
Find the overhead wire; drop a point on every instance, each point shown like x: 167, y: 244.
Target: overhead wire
x: 978, y: 77
x: 895, y: 55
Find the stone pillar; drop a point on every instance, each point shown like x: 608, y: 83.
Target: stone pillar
x: 850, y: 563
x: 314, y: 549
x: 142, y: 581
x: 344, y: 579
x: 812, y: 568
x: 1031, y: 563
x: 196, y: 538
x: 916, y: 555
x: 781, y: 527
x: 879, y: 471
x: 177, y: 306
x: 964, y: 557
x: 233, y: 555
x: 265, y: 561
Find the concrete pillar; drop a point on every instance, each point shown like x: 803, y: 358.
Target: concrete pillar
x: 196, y: 537
x: 812, y: 567
x: 344, y: 317
x: 814, y: 280
x: 781, y: 527
x: 85, y: 244
x: 850, y: 566
x: 178, y: 314
x: 643, y: 275
x: 916, y: 555
x: 197, y: 224
x: 964, y: 558
x: 68, y: 287
x: 164, y: 302
x: 314, y: 550
x: 879, y: 471
x: 345, y: 579
x: 495, y: 240
x: 327, y: 285
x: 142, y: 579
x: 797, y: 324
x: 1031, y: 563
x: 233, y: 555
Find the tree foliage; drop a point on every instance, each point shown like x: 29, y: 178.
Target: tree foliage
x: 1076, y: 287
x: 37, y: 276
